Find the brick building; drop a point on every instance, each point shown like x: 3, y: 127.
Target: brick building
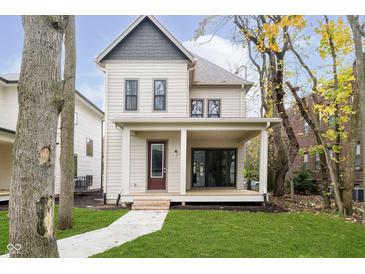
x: 307, y: 139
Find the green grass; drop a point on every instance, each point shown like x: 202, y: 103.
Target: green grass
x: 243, y: 234
x: 84, y: 220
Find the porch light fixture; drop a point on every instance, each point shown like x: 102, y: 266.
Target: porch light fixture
x: 175, y: 152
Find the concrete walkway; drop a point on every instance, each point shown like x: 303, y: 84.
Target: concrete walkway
x: 127, y: 228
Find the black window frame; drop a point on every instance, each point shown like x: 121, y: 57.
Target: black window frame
x: 130, y: 95
x: 317, y: 161
x: 159, y: 96
x: 75, y: 165
x: 92, y: 147
x: 305, y: 163
x: 206, y: 183
x: 219, y: 109
x: 357, y: 157
x: 191, y: 108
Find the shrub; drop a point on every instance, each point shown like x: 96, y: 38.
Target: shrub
x: 303, y: 181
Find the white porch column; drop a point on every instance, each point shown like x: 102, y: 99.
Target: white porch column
x: 263, y: 160
x: 126, y: 137
x: 183, y: 160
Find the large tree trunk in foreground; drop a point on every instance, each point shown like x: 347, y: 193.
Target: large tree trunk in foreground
x: 360, y: 80
x: 65, y: 218
x: 40, y: 101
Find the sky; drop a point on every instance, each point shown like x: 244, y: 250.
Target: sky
x: 94, y: 33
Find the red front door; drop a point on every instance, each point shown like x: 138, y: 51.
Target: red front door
x: 156, y: 165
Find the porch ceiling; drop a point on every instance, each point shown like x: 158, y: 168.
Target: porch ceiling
x: 6, y: 137
x: 169, y: 123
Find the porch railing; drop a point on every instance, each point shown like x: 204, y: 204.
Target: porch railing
x: 83, y: 183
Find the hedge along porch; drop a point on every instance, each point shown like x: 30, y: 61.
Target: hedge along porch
x: 189, y: 159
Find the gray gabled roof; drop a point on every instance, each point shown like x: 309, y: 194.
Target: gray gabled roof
x: 13, y: 78
x: 207, y: 73
x: 134, y: 25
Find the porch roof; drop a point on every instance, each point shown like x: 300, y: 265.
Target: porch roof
x: 248, y: 123
x: 7, y: 135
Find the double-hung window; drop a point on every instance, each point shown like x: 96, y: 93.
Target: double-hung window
x: 159, y: 92
x: 131, y: 94
x: 197, y: 108
x: 214, y: 108
x: 89, y: 147
x: 305, y: 161
x: 357, y: 157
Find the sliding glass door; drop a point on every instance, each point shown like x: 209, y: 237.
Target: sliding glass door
x: 214, y: 167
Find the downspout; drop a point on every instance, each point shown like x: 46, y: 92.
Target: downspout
x: 104, y: 162
x: 241, y: 99
x: 188, y: 87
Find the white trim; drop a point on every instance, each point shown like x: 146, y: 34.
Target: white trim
x: 183, y: 160
x: 126, y: 161
x: 132, y: 26
x: 263, y: 161
x: 225, y: 120
x: 195, y: 198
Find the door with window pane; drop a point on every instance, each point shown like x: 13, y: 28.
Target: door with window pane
x: 214, y: 168
x: 156, y: 165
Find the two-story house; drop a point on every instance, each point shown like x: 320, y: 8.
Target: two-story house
x: 176, y: 124
x: 87, y: 139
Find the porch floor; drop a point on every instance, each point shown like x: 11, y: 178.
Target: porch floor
x: 200, y: 195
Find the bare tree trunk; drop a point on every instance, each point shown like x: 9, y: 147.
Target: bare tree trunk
x: 349, y: 159
x: 286, y: 152
x: 65, y: 217
x: 325, y: 186
x: 40, y: 102
x: 360, y: 80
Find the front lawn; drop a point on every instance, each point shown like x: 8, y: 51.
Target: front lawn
x: 85, y: 220
x: 243, y: 234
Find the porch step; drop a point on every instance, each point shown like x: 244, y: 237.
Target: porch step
x: 150, y: 204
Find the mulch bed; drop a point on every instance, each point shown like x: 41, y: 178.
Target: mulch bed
x: 88, y: 199
x: 252, y: 207
x: 314, y: 204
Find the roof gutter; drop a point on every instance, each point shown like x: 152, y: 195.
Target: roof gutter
x: 190, y: 81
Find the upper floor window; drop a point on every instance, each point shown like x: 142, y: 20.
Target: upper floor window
x: 214, y: 108
x: 305, y: 161
x: 131, y: 94
x: 89, y: 147
x: 197, y: 108
x: 317, y: 161
x: 306, y: 128
x: 357, y: 157
x: 75, y: 165
x: 159, y: 101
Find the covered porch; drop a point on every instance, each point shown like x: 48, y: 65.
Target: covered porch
x: 197, y: 159
x: 7, y: 138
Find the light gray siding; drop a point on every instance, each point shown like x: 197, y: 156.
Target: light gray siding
x: 232, y: 99
x: 138, y: 160
x: 145, y: 42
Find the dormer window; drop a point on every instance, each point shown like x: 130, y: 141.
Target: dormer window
x: 214, y: 108
x: 131, y: 94
x: 159, y: 101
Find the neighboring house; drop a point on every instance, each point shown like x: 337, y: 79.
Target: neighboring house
x: 306, y: 139
x: 176, y: 124
x: 87, y: 139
